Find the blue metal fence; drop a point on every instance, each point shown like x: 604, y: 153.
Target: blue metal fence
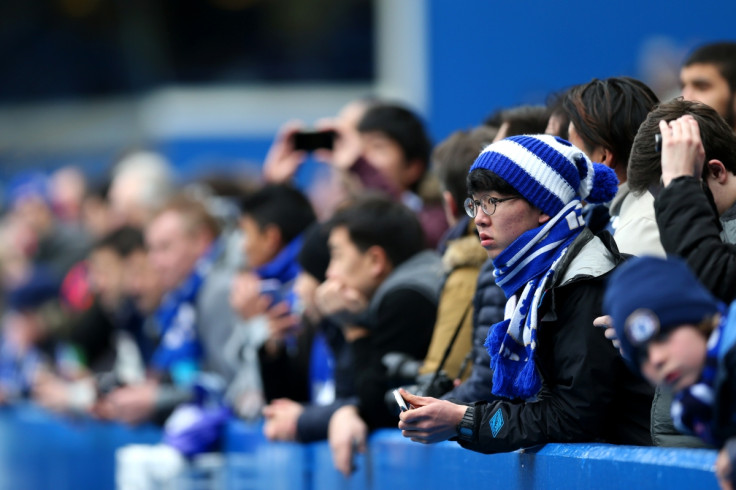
x: 39, y: 450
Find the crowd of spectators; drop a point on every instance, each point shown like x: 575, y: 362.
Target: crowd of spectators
x: 472, y: 276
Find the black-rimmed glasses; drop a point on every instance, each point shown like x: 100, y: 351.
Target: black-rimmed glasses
x: 487, y: 204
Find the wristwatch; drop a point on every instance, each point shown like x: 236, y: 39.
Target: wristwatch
x: 466, y: 428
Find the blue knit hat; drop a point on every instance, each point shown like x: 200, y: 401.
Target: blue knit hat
x: 548, y: 171
x: 648, y: 296
x: 38, y: 288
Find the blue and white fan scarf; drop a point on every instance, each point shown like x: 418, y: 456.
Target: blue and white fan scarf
x: 692, y: 408
x: 530, y: 263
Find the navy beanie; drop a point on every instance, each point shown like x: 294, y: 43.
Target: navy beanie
x: 648, y: 296
x: 39, y: 288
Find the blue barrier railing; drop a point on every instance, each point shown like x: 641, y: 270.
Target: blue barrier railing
x: 39, y: 450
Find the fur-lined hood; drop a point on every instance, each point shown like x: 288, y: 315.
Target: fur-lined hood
x: 464, y: 252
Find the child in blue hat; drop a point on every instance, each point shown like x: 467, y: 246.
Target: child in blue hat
x: 678, y: 336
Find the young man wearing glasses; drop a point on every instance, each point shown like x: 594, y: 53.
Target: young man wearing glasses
x: 556, y: 377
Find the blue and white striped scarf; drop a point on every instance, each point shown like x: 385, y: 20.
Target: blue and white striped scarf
x: 692, y: 407
x: 529, y: 263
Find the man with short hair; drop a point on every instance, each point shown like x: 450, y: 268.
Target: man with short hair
x: 194, y: 318
x: 555, y: 377
x: 708, y: 75
x: 697, y: 166
x: 382, y: 287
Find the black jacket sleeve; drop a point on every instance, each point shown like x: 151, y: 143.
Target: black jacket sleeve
x: 587, y: 390
x: 404, y: 323
x: 315, y: 420
x: 689, y: 227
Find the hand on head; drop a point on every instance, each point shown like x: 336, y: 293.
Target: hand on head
x: 682, y: 150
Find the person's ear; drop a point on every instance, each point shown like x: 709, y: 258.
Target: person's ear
x: 378, y: 261
x: 606, y: 157
x: 543, y: 218
x: 717, y: 171
x: 451, y: 209
x: 272, y: 238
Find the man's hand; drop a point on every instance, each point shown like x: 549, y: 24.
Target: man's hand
x: 347, y: 147
x: 282, y: 416
x: 132, y: 404
x: 347, y: 433
x: 724, y: 468
x: 282, y: 160
x: 430, y: 420
x: 245, y: 296
x: 51, y: 392
x: 334, y: 297
x: 606, y: 322
x: 682, y: 151
x: 281, y: 322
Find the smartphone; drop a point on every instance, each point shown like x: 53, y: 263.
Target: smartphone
x: 314, y: 140
x: 400, y: 401
x: 272, y: 289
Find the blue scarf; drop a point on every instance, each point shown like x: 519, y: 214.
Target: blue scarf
x: 284, y: 266
x: 692, y: 408
x: 179, y: 351
x: 530, y: 263
x: 17, y: 370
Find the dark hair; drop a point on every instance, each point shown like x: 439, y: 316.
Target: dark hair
x: 400, y: 125
x: 373, y: 220
x: 719, y: 141
x: 555, y: 105
x: 481, y: 180
x: 525, y: 119
x: 123, y: 241
x: 452, y: 159
x: 608, y: 113
x: 314, y: 256
x: 282, y: 206
x: 494, y: 119
x: 722, y: 55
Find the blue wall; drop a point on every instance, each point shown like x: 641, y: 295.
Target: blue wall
x: 486, y: 55
x: 41, y: 451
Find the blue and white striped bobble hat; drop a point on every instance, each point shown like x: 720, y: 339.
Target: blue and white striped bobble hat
x: 548, y: 171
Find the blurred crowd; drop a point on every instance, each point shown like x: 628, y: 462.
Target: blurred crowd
x: 474, y: 274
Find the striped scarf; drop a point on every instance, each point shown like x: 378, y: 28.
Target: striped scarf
x: 530, y: 263
x: 692, y: 408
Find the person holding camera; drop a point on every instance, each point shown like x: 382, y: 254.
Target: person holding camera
x: 371, y: 146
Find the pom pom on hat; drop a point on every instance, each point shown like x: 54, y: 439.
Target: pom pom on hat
x: 548, y: 171
x: 649, y: 296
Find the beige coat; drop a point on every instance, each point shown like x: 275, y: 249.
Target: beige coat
x: 636, y: 231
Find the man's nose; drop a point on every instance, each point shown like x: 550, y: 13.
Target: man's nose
x: 687, y: 93
x: 481, y: 218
